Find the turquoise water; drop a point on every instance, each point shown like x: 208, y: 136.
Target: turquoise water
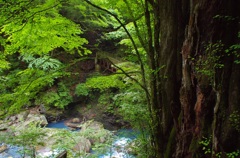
x: 119, y: 146
x: 12, y: 151
x: 118, y: 149
x: 59, y: 124
x: 124, y: 136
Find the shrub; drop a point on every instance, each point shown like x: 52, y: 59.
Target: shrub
x: 82, y: 90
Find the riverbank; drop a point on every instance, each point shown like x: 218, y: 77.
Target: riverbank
x: 30, y: 133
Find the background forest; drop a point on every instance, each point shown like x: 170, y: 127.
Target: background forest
x: 176, y: 66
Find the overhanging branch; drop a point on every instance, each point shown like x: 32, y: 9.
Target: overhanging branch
x: 133, y: 43
x: 127, y: 74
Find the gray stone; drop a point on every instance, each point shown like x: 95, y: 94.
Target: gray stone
x: 83, y: 145
x: 3, y: 126
x: 36, y: 118
x: 92, y: 125
x: 75, y: 120
x: 72, y: 125
x: 13, y: 118
x: 95, y: 132
x: 22, y: 116
x: 42, y: 109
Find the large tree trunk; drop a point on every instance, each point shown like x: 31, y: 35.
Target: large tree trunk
x: 205, y: 97
x: 172, y: 21
x: 165, y: 59
x: 209, y: 93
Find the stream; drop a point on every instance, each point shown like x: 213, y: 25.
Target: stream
x: 117, y: 150
x: 11, y: 152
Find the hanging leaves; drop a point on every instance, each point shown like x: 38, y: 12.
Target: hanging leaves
x: 42, y: 35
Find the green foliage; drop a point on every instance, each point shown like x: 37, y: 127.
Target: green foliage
x: 66, y: 140
x: 206, y: 144
x: 224, y: 17
x: 45, y: 62
x: 93, y: 20
x: 82, y: 90
x: 234, y: 154
x: 131, y: 14
x: 24, y: 86
x: 132, y: 105
x: 116, y: 35
x: 106, y: 98
x: 234, y: 119
x: 120, y: 34
x: 234, y: 50
x: 207, y: 63
x: 31, y: 34
x: 105, y: 101
x: 50, y: 32
x: 103, y: 83
x: 4, y: 64
x: 59, y: 98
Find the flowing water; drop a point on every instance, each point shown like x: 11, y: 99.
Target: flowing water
x: 11, y: 152
x: 117, y: 150
x: 120, y: 145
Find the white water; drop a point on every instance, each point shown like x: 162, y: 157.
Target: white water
x: 11, y: 152
x: 118, y: 149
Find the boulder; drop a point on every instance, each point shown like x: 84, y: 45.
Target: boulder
x: 92, y: 125
x: 83, y: 145
x: 75, y: 120
x: 3, y: 148
x: 35, y: 118
x: 22, y: 121
x: 95, y: 132
x: 72, y: 125
x: 13, y: 118
x: 42, y: 109
x: 3, y: 126
x: 22, y: 116
x: 59, y: 138
x: 132, y: 147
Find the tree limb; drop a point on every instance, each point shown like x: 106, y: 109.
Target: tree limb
x: 136, y: 27
x: 133, y: 43
x: 129, y: 21
x: 127, y: 74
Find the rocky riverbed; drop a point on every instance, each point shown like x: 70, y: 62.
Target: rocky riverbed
x: 29, y: 131
x: 22, y: 130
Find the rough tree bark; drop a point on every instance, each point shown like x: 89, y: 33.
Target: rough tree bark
x: 204, y: 100
x: 164, y: 58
